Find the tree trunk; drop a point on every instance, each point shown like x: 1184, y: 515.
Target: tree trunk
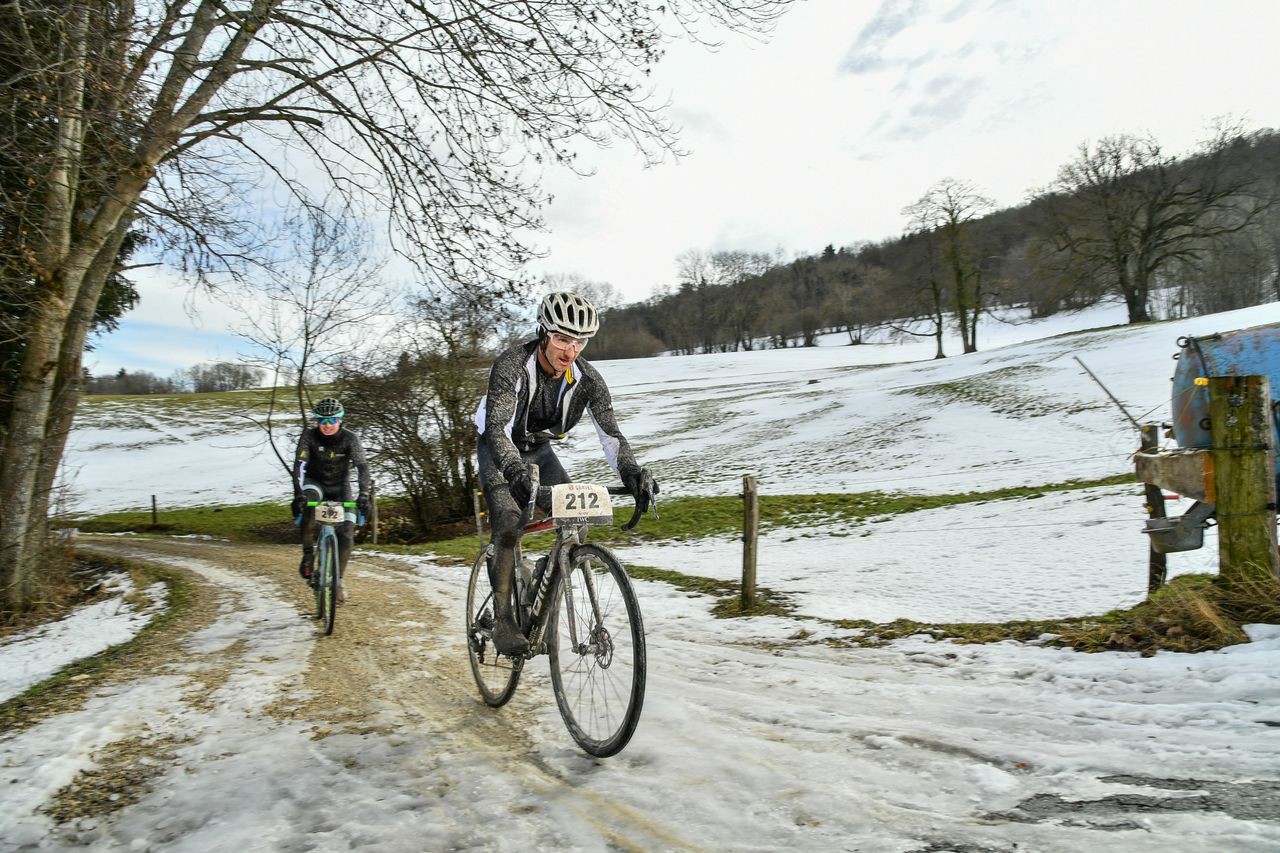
x: 65, y: 300
x: 26, y: 429
x: 1135, y: 297
x: 68, y: 382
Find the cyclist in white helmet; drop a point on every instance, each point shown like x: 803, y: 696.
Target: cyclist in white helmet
x: 538, y: 391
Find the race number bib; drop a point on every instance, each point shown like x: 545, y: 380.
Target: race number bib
x: 581, y: 502
x: 330, y: 512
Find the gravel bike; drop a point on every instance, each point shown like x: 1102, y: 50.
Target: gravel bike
x: 576, y: 605
x: 326, y: 579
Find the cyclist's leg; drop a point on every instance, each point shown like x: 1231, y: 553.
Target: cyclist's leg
x: 346, y: 540
x: 312, y: 492
x: 504, y: 520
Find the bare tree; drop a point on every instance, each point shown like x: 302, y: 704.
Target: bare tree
x: 414, y: 409
x: 307, y: 315
x: 164, y: 115
x: 924, y: 296
x: 948, y: 207
x: 603, y: 295
x: 1123, y: 210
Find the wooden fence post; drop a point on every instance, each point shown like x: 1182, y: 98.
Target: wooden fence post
x: 1244, y: 474
x: 373, y: 512
x: 1157, y: 563
x: 750, y: 527
x: 475, y: 504
x: 154, y: 519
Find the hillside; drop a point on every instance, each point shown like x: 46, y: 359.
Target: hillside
x: 233, y: 725
x: 828, y: 419
x: 832, y: 418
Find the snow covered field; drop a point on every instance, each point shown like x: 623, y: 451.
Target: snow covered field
x: 886, y: 417
x: 750, y: 740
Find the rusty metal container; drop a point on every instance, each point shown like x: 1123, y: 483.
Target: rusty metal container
x: 1245, y: 352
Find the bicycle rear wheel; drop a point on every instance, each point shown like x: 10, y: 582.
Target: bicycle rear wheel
x: 597, y: 651
x: 496, y: 675
x: 327, y: 585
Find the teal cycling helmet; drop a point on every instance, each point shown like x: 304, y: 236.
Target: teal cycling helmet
x: 328, y: 407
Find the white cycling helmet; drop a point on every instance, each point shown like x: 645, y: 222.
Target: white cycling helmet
x: 568, y: 314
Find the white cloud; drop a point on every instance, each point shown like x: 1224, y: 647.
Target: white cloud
x: 852, y: 111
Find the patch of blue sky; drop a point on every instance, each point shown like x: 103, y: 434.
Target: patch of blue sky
x: 160, y: 348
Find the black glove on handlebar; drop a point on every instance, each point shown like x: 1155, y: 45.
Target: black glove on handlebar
x: 520, y: 483
x: 642, y: 487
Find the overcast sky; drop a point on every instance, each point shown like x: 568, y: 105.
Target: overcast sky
x: 849, y: 113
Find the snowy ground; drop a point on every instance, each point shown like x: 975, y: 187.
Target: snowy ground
x: 751, y: 740
x: 833, y: 418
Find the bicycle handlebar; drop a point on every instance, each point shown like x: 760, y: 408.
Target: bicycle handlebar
x: 345, y: 504
x: 541, y: 492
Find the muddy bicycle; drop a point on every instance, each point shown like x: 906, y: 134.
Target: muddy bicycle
x: 576, y: 605
x: 326, y: 578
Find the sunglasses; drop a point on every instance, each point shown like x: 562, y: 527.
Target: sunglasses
x: 326, y: 421
x: 567, y: 341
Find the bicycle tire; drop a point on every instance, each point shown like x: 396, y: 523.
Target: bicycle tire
x: 329, y: 580
x: 599, y: 685
x: 317, y: 567
x: 496, y: 675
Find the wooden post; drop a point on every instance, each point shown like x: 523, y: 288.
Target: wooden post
x: 750, y: 527
x: 475, y: 503
x: 154, y: 520
x: 1244, y: 474
x: 1157, y: 562
x: 373, y: 512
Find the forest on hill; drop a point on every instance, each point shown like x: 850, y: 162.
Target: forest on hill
x: 1172, y: 236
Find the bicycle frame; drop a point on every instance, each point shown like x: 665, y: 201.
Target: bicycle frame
x: 557, y: 565
x: 579, y: 609
x: 328, y: 557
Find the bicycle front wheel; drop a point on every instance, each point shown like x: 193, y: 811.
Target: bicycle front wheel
x: 597, y: 651
x: 317, y: 575
x: 327, y: 584
x: 496, y: 675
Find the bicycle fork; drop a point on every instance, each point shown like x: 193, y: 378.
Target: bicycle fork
x: 596, y: 641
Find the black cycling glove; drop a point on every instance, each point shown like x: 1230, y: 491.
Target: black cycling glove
x: 520, y: 483
x: 642, y: 486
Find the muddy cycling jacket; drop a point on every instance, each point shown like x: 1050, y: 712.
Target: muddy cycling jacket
x: 327, y: 462
x: 502, y: 418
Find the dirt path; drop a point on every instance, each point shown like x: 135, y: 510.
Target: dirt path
x: 366, y: 665
x: 395, y: 670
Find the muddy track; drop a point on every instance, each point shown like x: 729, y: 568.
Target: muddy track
x: 395, y: 667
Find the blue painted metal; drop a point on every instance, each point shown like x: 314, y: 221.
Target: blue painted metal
x: 1245, y: 352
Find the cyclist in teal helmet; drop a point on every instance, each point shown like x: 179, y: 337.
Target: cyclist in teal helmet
x: 322, y: 471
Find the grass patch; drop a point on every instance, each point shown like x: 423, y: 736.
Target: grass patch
x: 1192, y: 613
x: 244, y: 522
x: 682, y: 518
x: 690, y: 518
x: 76, y: 678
